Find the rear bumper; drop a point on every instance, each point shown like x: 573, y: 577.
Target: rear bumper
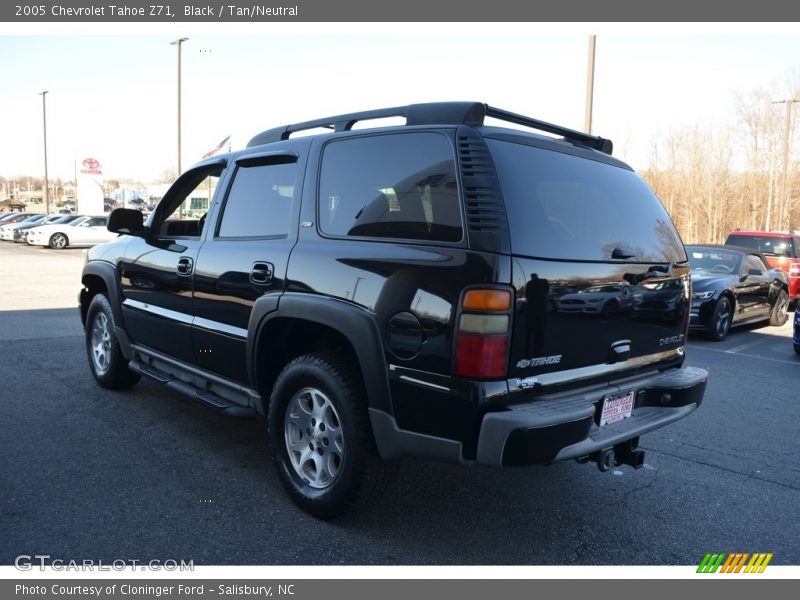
x: 564, y: 426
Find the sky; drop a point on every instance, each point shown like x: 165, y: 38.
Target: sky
x: 112, y: 91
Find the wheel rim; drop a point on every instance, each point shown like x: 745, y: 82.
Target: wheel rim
x: 59, y: 241
x: 783, y: 308
x: 313, y: 437
x: 723, y: 320
x: 101, y: 343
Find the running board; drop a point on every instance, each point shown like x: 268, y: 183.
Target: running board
x: 219, y: 394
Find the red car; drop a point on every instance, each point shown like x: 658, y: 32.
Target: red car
x: 780, y: 248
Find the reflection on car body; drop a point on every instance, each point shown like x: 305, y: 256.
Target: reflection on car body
x: 606, y: 300
x: 661, y: 300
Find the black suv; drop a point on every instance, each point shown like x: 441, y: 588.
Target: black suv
x: 443, y: 288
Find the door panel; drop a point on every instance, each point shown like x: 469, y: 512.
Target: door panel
x: 157, y: 305
x: 230, y: 277
x: 157, y: 273
x: 245, y: 258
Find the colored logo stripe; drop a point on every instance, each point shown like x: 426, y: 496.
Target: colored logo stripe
x: 733, y: 563
x: 758, y: 563
x: 711, y: 563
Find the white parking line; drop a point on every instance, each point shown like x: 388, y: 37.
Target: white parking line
x: 739, y: 348
x: 780, y: 360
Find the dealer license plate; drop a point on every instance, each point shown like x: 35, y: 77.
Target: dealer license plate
x: 617, y: 407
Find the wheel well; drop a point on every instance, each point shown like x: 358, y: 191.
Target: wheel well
x: 731, y: 298
x: 283, y: 340
x: 92, y: 285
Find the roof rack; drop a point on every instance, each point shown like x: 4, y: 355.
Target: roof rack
x: 445, y: 113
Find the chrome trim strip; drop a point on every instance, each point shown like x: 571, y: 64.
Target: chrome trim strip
x: 218, y: 327
x: 425, y: 383
x: 546, y: 379
x: 166, y: 313
x: 180, y: 317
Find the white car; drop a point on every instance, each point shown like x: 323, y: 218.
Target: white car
x: 7, y: 231
x: 83, y: 231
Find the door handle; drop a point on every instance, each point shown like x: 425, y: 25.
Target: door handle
x: 261, y: 273
x: 185, y: 265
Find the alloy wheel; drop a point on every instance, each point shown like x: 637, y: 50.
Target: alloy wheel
x: 101, y: 343
x: 314, y: 438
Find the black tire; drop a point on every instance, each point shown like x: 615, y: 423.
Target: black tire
x: 780, y: 310
x: 106, y: 362
x: 720, y: 323
x: 611, y: 308
x: 320, y: 437
x: 58, y: 241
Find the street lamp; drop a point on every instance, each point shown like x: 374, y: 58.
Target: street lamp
x: 789, y: 102
x: 587, y: 123
x: 178, y: 43
x: 44, y: 129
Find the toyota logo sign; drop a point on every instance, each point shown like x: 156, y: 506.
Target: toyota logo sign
x: 90, y: 164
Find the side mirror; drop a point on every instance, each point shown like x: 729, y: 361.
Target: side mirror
x: 126, y: 221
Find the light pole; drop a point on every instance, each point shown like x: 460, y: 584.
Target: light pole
x: 178, y: 43
x: 44, y: 129
x: 587, y: 123
x: 789, y: 102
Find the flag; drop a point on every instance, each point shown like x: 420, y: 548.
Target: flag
x: 217, y: 148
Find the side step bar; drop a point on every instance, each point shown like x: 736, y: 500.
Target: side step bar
x: 217, y: 393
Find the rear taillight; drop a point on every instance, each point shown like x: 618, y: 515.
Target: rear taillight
x: 483, y: 334
x: 794, y: 269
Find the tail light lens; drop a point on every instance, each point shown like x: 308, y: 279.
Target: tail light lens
x: 794, y: 269
x: 483, y: 334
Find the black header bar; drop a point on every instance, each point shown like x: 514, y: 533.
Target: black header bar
x: 339, y: 11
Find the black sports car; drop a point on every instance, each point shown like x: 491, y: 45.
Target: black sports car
x: 734, y: 286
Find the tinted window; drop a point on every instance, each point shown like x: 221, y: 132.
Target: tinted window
x: 779, y: 246
x: 259, y: 202
x: 753, y: 262
x: 564, y: 206
x: 395, y: 186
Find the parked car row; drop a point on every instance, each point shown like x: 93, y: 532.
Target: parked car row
x: 56, y: 230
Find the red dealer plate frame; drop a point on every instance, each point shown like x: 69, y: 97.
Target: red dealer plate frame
x: 617, y: 407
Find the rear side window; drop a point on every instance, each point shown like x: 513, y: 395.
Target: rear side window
x: 778, y: 246
x: 390, y: 186
x: 566, y: 207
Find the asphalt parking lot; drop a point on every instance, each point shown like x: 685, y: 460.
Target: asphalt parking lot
x: 148, y: 474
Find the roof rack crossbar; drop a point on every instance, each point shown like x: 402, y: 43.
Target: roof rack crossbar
x: 593, y: 141
x: 336, y: 123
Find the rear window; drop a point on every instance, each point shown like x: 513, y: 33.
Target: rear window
x: 777, y: 246
x: 566, y: 207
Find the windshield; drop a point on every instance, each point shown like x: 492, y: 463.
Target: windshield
x: 63, y: 219
x: 777, y: 246
x: 713, y: 259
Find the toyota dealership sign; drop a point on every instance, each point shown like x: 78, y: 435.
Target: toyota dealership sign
x: 90, y: 187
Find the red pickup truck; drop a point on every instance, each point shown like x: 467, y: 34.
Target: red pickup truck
x: 780, y: 248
